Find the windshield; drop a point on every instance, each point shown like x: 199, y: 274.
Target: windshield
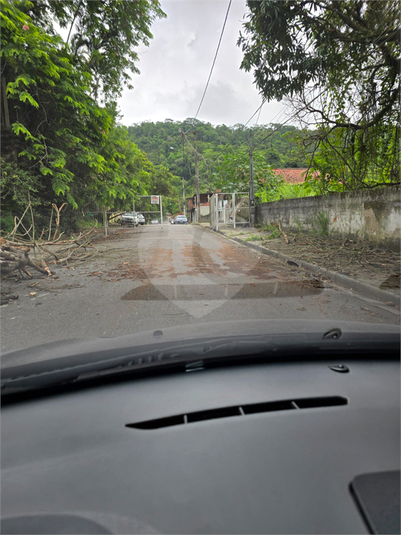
x: 253, y: 145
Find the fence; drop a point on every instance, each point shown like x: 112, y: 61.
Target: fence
x: 373, y: 215
x: 151, y: 206
x: 229, y: 209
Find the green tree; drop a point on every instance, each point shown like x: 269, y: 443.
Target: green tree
x: 102, y: 36
x: 234, y: 174
x: 57, y: 141
x: 338, y: 60
x: 48, y: 115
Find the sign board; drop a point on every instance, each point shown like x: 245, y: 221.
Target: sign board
x: 154, y: 199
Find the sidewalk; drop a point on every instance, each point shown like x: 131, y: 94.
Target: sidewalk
x: 363, y: 267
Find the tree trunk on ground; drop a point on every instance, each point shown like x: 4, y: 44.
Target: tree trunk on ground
x: 12, y: 258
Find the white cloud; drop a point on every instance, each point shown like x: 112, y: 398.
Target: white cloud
x: 176, y: 65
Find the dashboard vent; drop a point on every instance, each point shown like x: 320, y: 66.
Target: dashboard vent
x: 225, y: 412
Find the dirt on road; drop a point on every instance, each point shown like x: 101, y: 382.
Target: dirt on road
x: 362, y: 261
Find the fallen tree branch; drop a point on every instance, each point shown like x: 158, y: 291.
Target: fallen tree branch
x: 12, y: 259
x: 282, y: 232
x: 57, y: 210
x: 16, y: 225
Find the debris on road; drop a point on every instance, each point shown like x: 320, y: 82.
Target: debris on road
x: 283, y: 233
x: 17, y: 258
x: 14, y: 255
x: 361, y: 260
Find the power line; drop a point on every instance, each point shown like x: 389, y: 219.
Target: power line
x: 214, y: 60
x: 260, y: 107
x: 258, y: 117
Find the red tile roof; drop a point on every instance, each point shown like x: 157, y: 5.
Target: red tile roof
x: 292, y: 176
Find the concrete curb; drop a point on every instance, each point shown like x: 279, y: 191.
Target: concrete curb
x: 352, y: 284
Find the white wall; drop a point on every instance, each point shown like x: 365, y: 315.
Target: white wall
x: 373, y: 215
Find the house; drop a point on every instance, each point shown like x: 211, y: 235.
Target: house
x: 204, y: 206
x: 293, y: 176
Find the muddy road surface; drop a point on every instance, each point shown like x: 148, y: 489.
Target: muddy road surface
x: 162, y: 276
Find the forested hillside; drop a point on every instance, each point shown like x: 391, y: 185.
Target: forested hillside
x: 223, y: 151
x: 62, y: 142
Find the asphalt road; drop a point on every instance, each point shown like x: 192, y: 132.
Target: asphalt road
x: 160, y: 276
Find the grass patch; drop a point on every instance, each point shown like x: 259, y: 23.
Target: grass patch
x: 253, y: 237
x: 88, y: 223
x: 270, y: 228
x: 275, y: 234
x: 321, y: 224
x: 299, y: 224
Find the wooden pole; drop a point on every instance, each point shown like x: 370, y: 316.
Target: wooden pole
x: 251, y: 184
x: 197, y: 183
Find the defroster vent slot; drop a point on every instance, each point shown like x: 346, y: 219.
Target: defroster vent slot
x: 243, y: 410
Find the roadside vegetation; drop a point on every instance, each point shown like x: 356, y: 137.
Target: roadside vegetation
x: 60, y: 132
x: 63, y: 143
x: 345, y: 82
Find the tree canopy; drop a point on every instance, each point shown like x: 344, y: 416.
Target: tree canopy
x: 58, y: 140
x: 102, y: 36
x: 171, y: 143
x: 338, y: 63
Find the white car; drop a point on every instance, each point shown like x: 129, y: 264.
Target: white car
x: 141, y: 219
x: 179, y: 220
x: 129, y: 218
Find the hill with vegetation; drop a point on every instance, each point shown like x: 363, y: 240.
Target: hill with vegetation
x: 223, y: 153
x: 62, y: 143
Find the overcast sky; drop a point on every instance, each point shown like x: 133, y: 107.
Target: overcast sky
x: 176, y: 65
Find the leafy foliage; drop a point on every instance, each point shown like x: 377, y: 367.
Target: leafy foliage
x: 102, y: 36
x: 57, y: 140
x: 223, y: 152
x: 338, y: 61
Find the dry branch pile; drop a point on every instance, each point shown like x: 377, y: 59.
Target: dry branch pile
x: 17, y: 258
x: 16, y: 246
x: 358, y: 259
x: 14, y: 255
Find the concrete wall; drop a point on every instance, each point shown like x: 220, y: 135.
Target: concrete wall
x: 372, y: 215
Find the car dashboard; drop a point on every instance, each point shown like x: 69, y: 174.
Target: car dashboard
x: 291, y: 447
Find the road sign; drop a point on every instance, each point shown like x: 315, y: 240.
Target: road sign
x: 154, y: 199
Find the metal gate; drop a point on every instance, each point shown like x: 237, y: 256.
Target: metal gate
x: 229, y: 209
x: 151, y: 206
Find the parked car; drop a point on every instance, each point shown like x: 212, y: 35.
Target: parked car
x: 129, y: 218
x: 154, y: 222
x: 141, y: 219
x: 179, y: 220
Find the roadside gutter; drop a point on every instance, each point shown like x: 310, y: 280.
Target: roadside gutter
x: 350, y: 283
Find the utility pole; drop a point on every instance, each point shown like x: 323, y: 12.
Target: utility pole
x: 183, y: 195
x: 197, y: 183
x: 183, y: 167
x: 251, y: 185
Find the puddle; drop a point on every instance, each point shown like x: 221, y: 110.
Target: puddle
x: 213, y: 292
x: 144, y: 293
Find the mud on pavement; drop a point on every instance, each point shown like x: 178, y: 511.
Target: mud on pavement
x: 117, y: 258
x: 362, y: 261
